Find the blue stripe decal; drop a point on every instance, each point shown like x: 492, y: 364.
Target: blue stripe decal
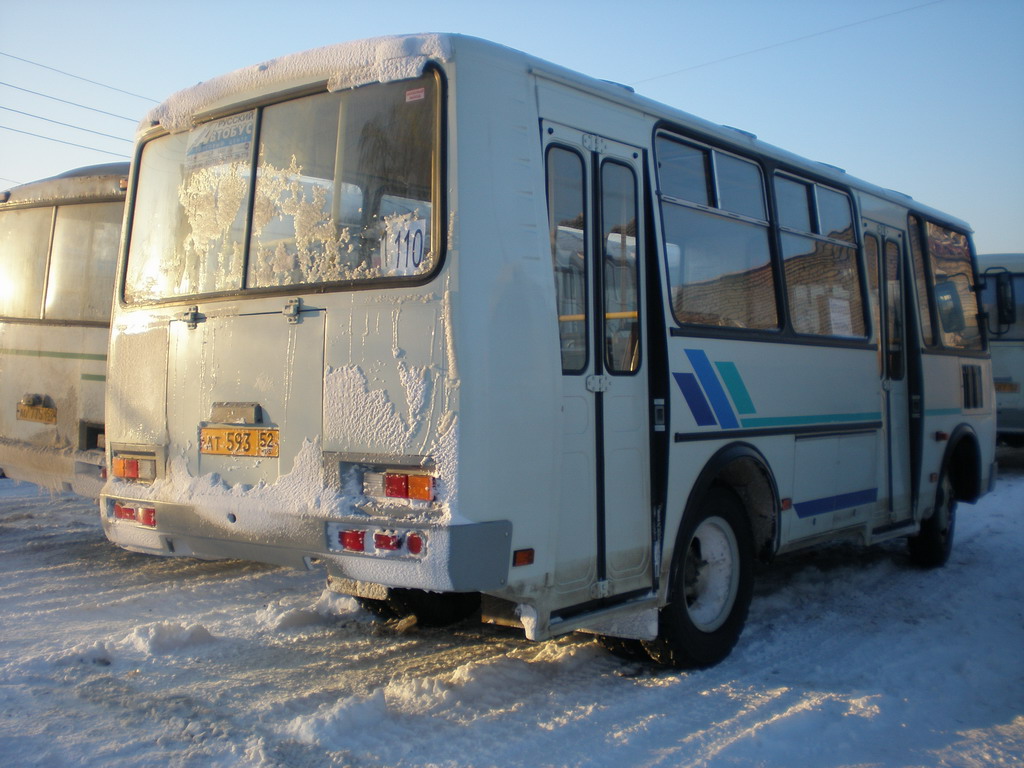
x: 734, y: 383
x: 719, y: 400
x: 832, y: 503
x: 695, y: 399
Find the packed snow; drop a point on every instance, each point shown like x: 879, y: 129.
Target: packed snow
x: 850, y: 657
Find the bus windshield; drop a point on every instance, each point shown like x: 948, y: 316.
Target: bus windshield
x: 338, y: 189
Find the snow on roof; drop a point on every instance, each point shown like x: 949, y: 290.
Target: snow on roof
x: 344, y: 65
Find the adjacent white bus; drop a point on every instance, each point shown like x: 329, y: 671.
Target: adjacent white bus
x: 58, y: 250
x: 454, y: 321
x: 1004, y: 273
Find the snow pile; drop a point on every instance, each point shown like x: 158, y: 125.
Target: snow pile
x: 850, y: 657
x: 168, y: 636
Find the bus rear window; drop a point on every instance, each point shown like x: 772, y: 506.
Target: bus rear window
x: 342, y: 191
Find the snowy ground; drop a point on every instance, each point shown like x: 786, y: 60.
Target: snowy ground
x: 850, y: 658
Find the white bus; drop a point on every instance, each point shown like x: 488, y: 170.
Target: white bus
x: 456, y: 322
x: 1004, y: 273
x: 58, y: 251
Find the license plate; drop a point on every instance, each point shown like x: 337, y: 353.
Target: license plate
x: 40, y: 413
x: 1007, y: 387
x: 239, y: 441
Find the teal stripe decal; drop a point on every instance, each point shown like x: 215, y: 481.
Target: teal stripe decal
x: 798, y: 421
x: 737, y: 390
x: 47, y: 353
x: 942, y: 411
x: 93, y: 377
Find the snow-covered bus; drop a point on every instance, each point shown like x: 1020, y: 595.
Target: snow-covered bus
x: 468, y: 328
x: 1004, y: 273
x: 58, y: 251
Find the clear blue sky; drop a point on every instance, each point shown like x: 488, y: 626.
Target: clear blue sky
x: 922, y: 96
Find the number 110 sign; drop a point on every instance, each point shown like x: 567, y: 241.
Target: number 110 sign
x: 403, y: 247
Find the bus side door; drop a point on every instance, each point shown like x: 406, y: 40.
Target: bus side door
x: 596, y: 224
x: 884, y: 254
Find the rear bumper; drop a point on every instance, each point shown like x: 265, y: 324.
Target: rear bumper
x: 471, y: 557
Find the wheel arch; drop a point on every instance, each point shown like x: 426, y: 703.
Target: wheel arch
x: 743, y: 469
x: 962, y: 463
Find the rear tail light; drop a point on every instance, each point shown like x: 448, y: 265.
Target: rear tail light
x: 399, y: 485
x: 141, y: 515
x: 353, y: 541
x: 389, y: 543
x: 134, y: 468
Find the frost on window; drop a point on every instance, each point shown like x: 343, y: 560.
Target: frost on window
x: 343, y: 191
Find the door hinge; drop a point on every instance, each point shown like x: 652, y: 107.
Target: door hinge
x: 190, y: 317
x: 594, y: 143
x: 598, y: 383
x: 601, y: 589
x: 292, y: 310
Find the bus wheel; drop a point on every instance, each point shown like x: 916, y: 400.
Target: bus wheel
x: 711, y: 585
x: 931, y: 547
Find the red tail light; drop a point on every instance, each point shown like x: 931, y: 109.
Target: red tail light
x: 390, y: 542
x: 353, y: 541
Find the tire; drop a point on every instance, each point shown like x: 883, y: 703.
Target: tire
x: 932, y: 545
x: 712, y: 582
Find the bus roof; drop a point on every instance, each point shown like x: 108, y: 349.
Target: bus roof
x: 93, y: 183
x: 385, y: 59
x: 1011, y: 261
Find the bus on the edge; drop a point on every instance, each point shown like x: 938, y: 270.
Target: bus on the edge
x: 59, y: 242
x: 477, y: 332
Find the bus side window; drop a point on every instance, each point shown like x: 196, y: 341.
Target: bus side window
x: 567, y: 227
x: 716, y: 237
x: 24, y: 242
x: 820, y: 258
x: 956, y: 302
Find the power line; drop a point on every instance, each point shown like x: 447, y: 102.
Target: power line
x: 787, y: 42
x: 61, y: 141
x: 73, y: 104
x: 67, y: 125
x: 78, y: 77
x: 4, y: 178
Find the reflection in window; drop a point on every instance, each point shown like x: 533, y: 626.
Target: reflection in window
x: 719, y: 266
x: 81, y: 280
x: 955, y: 301
x: 921, y: 281
x: 618, y: 221
x: 822, y: 276
x: 823, y: 287
x: 567, y: 228
x: 24, y: 242
x: 720, y: 270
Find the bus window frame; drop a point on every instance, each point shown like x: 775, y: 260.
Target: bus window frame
x: 439, y: 203
x: 938, y: 347
x: 784, y: 333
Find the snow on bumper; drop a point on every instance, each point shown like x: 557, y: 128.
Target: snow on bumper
x: 471, y: 557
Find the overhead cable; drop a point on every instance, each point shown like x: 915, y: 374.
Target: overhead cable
x: 63, y: 101
x: 78, y: 77
x: 60, y: 141
x: 67, y: 125
x: 786, y: 42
